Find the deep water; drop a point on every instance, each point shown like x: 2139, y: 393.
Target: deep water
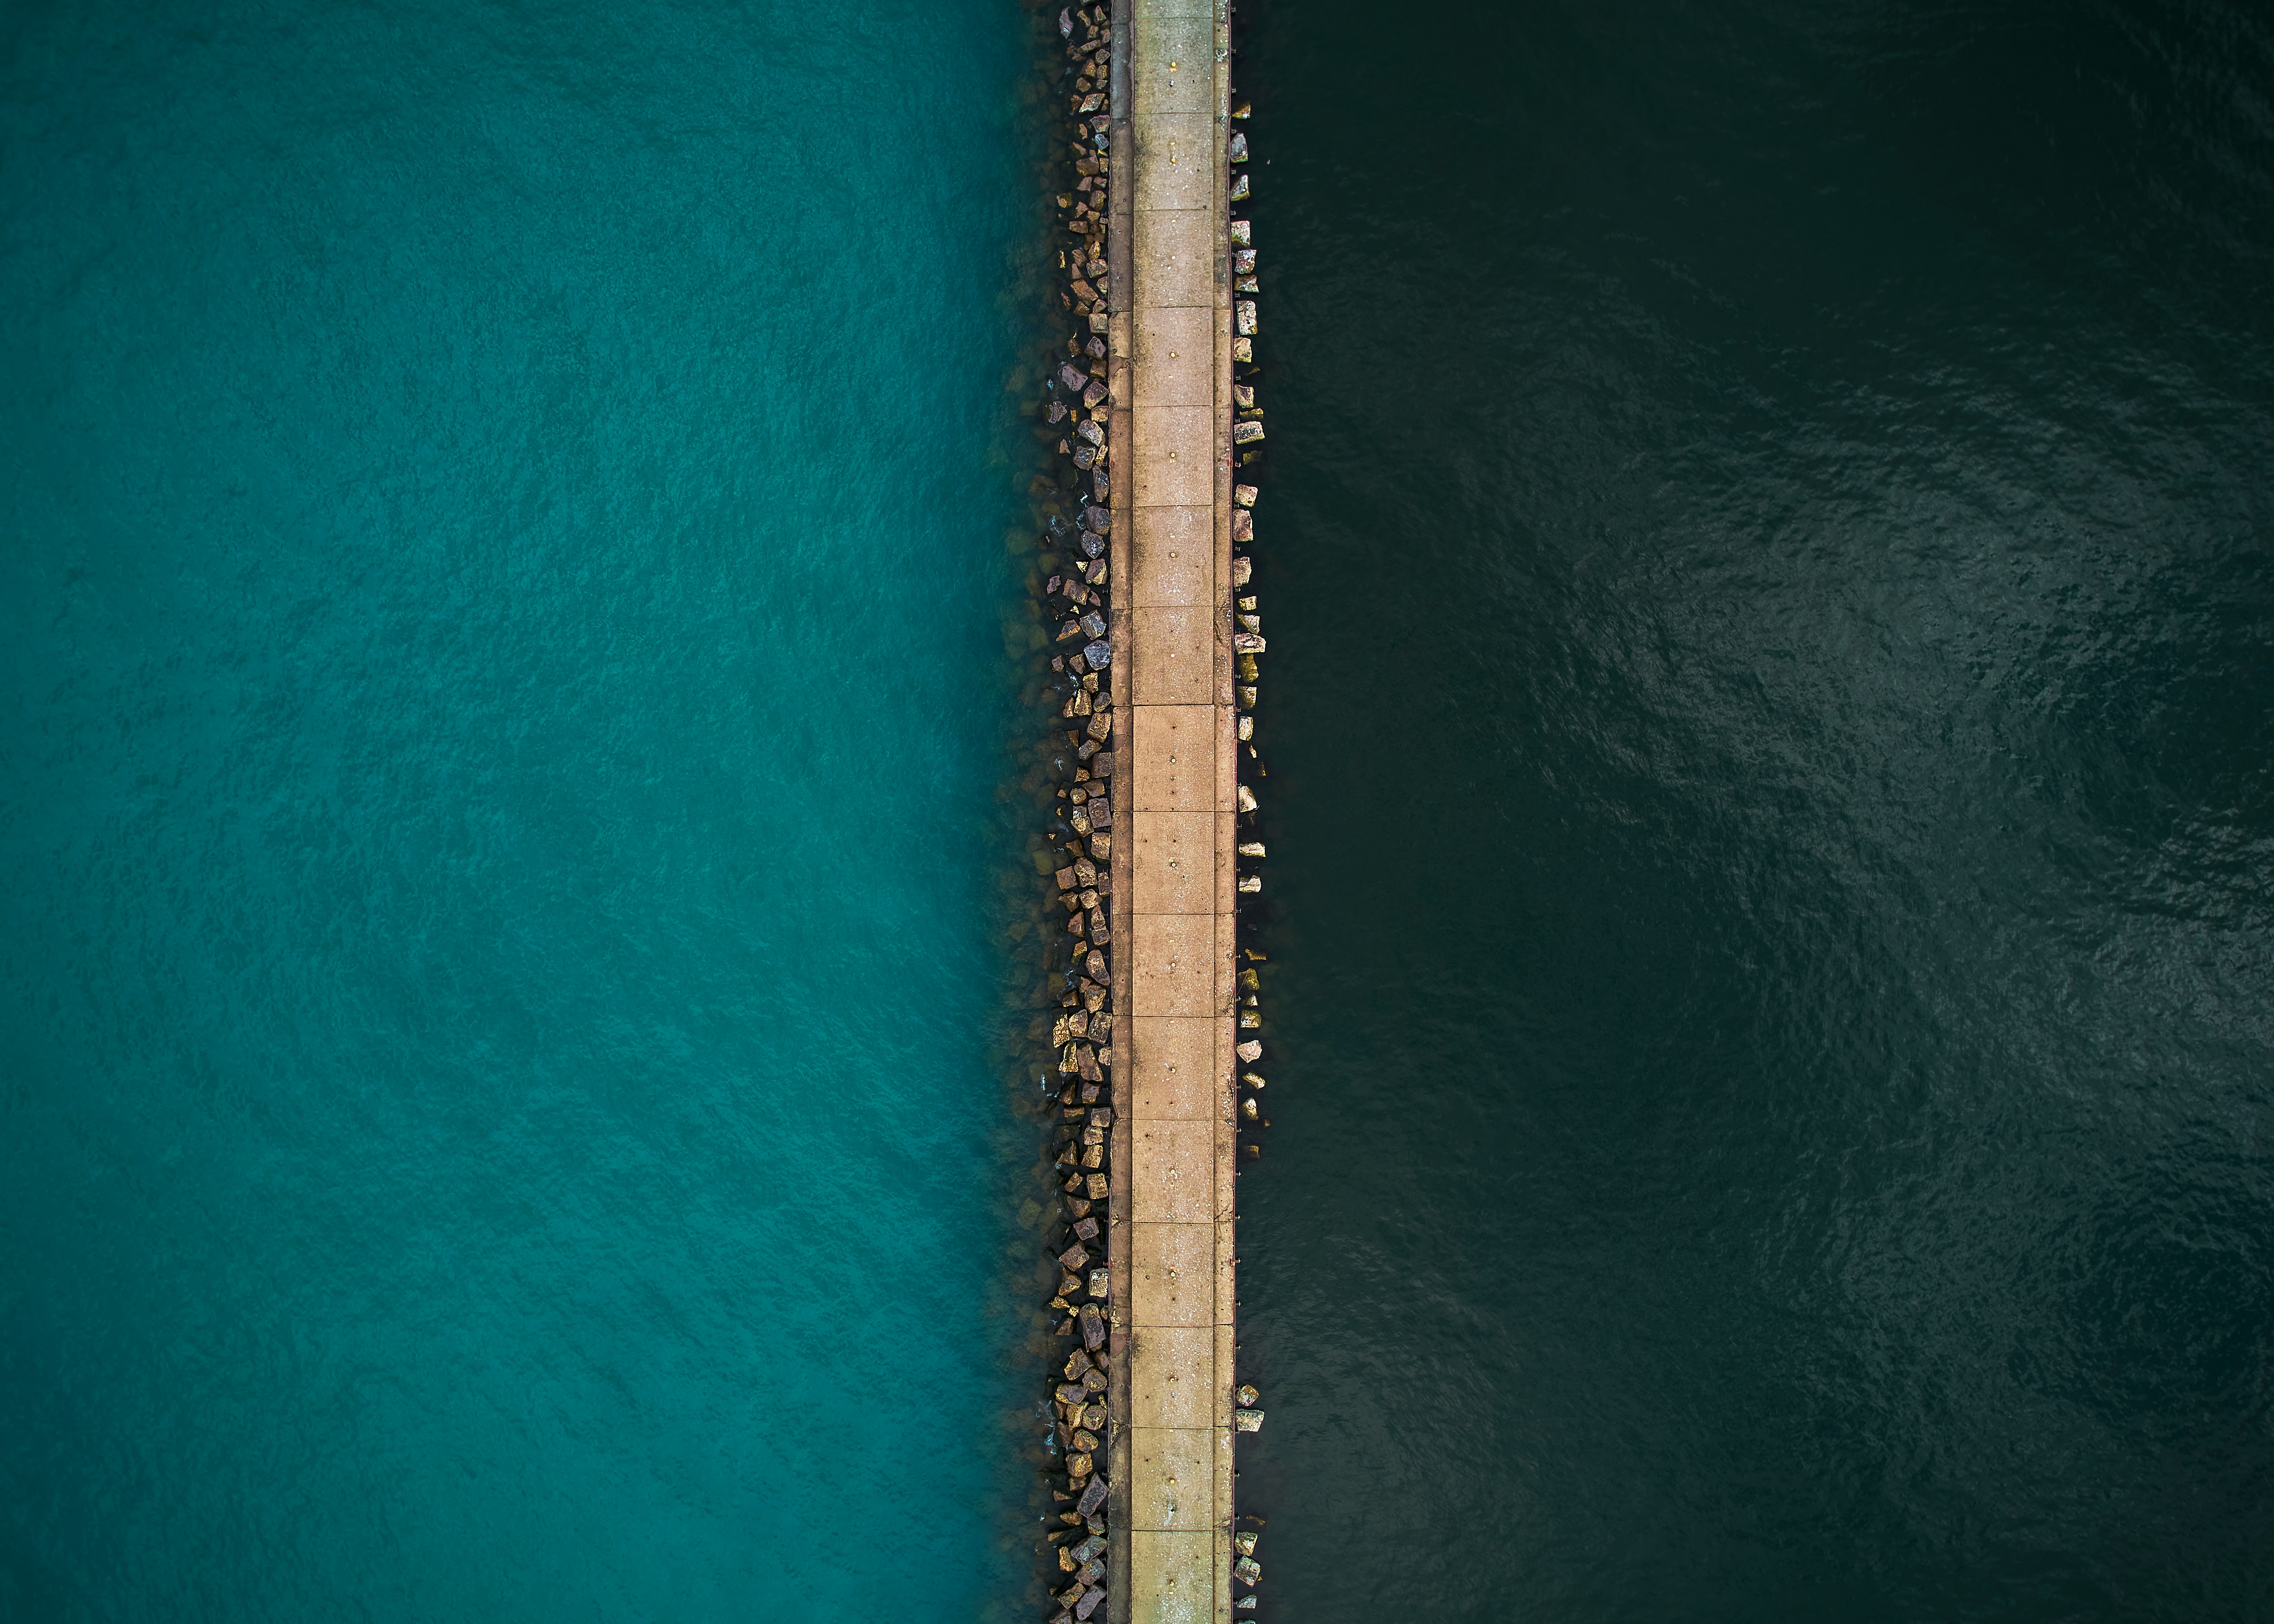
x: 501, y: 579
x: 1768, y: 550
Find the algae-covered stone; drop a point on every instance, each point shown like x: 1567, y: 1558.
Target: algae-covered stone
x: 1243, y: 316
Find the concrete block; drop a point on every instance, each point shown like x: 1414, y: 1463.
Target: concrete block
x: 1172, y: 557
x: 1173, y: 1069
x: 1173, y: 656
x: 1172, y: 964
x: 1174, y: 66
x: 1174, y: 860
x: 1176, y: 154
x: 1176, y: 258
x: 1172, y: 1577
x: 1172, y: 1172
x: 1173, y: 1381
x: 1171, y: 1478
x: 1175, y: 356
x: 1174, y: 449
x: 1171, y: 762
x: 1172, y: 1273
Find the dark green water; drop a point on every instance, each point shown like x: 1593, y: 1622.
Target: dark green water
x: 1767, y: 557
x: 502, y: 705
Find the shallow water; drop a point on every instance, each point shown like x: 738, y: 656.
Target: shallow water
x: 502, y: 643
x: 1766, y: 557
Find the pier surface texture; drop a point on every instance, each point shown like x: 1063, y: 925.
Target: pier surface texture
x: 1171, y: 1208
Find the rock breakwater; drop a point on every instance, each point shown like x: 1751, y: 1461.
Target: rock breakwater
x: 1071, y: 1062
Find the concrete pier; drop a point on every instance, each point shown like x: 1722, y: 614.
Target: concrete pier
x: 1172, y: 1209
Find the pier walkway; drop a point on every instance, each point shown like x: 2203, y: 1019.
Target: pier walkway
x: 1169, y: 371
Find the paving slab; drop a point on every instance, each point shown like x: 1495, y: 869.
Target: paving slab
x: 1172, y: 557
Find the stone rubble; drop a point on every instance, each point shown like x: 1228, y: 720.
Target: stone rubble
x: 1069, y: 646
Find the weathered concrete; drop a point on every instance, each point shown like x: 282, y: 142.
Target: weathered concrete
x: 1172, y: 1209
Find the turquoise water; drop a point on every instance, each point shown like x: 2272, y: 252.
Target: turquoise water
x: 504, y: 698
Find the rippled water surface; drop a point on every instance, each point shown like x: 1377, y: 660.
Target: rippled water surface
x: 500, y: 580
x: 1767, y: 559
